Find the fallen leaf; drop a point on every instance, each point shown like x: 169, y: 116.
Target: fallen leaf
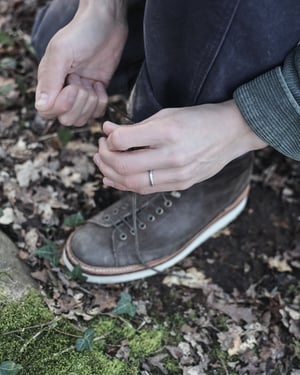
x: 31, y: 238
x: 7, y: 216
x: 279, y: 264
x: 40, y: 275
x: 69, y: 178
x: 104, y: 300
x: 192, y: 278
x: 26, y: 173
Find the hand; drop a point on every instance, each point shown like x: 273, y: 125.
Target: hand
x: 182, y: 146
x: 80, y: 61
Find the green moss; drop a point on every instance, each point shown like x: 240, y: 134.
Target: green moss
x: 172, y: 366
x: 146, y: 343
x: 296, y: 349
x: 31, y: 336
x: 44, y: 344
x: 115, y: 329
x: 221, y: 359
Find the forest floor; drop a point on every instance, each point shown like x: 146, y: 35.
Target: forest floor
x: 239, y: 314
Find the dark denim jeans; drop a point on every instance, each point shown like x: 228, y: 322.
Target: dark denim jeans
x: 183, y: 53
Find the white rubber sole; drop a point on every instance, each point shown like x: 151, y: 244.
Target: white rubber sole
x: 205, y: 235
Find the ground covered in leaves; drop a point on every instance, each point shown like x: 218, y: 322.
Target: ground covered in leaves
x: 237, y: 313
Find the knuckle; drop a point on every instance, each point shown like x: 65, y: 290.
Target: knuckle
x: 116, y: 139
x: 120, y: 166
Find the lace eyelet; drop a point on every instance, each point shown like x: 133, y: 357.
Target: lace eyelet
x: 123, y: 236
x: 168, y: 203
x: 159, y: 211
x: 142, y: 226
x: 132, y: 232
x: 115, y: 211
x: 106, y: 217
x: 151, y: 218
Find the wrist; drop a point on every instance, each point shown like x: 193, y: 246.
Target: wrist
x: 244, y: 138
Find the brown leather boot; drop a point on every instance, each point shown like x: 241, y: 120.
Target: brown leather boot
x: 169, y: 226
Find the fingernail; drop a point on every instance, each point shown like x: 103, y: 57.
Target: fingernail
x: 42, y: 100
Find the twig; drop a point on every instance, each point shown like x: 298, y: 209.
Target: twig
x: 55, y: 320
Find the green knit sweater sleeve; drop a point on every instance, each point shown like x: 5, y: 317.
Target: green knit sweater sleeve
x: 271, y: 105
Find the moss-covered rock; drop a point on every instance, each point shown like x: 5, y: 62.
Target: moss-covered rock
x: 44, y: 344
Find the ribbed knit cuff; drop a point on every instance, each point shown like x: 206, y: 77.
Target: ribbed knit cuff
x: 271, y: 111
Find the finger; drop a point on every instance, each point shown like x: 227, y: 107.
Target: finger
x: 97, y: 100
x: 90, y: 105
x: 51, y: 77
x: 128, y: 136
x: 75, y: 113
x: 138, y: 181
x: 135, y: 161
x: 102, y: 99
x: 149, y: 189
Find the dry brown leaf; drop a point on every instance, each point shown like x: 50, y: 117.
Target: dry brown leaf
x: 31, y: 238
x: 191, y: 278
x: 279, y: 264
x: 69, y: 178
x: 7, y: 118
x: 86, y: 148
x: 7, y: 216
x: 104, y: 300
x: 26, y: 173
x: 40, y: 275
x: 224, y: 232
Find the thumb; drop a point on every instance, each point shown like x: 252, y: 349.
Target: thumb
x: 52, y: 73
x: 109, y: 127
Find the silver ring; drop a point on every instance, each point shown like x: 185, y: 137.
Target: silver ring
x: 151, y: 180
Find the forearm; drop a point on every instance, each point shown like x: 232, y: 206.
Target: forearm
x: 271, y: 106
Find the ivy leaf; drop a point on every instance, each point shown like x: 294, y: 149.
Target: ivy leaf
x: 125, y: 305
x: 64, y: 135
x: 6, y: 40
x: 74, y: 220
x: 76, y: 273
x: 49, y: 252
x: 8, y: 63
x: 9, y: 368
x: 6, y: 89
x: 85, y: 342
